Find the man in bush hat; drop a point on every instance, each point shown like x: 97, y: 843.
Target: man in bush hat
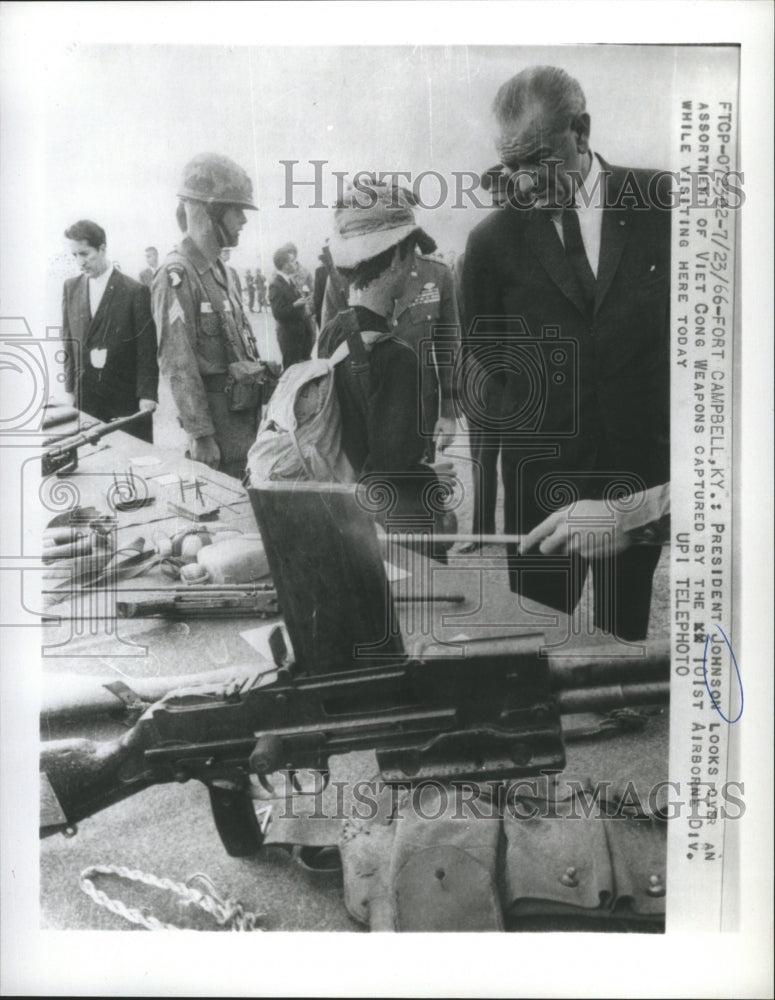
x: 206, y: 346
x: 373, y: 247
x: 425, y: 316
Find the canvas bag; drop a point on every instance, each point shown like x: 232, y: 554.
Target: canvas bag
x: 300, y: 434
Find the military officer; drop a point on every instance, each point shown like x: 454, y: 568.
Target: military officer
x: 425, y: 318
x: 206, y: 346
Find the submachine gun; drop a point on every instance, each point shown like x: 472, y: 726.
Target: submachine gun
x: 61, y: 457
x: 493, y: 714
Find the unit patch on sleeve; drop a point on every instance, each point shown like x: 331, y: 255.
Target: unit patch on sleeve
x: 175, y: 275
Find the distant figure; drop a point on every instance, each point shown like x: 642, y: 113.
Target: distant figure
x: 301, y: 275
x: 291, y: 309
x: 152, y: 259
x: 225, y: 256
x: 250, y: 287
x: 111, y: 370
x: 260, y: 290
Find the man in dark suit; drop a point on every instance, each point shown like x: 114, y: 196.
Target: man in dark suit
x: 566, y: 291
x: 111, y: 370
x: 292, y: 310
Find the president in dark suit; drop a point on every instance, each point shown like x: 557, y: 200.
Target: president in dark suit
x: 111, y: 370
x: 566, y: 291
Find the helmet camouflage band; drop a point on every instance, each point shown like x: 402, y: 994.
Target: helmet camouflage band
x: 216, y: 180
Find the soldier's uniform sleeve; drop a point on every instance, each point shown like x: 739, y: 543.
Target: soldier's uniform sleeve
x: 175, y: 312
x: 146, y: 347
x: 446, y: 341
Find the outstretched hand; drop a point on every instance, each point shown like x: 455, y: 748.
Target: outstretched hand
x: 587, y: 527
x: 444, y: 432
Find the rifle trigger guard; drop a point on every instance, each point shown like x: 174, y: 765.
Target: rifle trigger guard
x: 266, y: 784
x: 325, y: 779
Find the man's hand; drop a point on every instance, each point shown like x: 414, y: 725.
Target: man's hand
x: 206, y: 451
x: 444, y: 469
x: 444, y: 432
x: 148, y: 405
x: 585, y: 527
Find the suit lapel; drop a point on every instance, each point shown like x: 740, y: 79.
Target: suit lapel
x: 79, y: 323
x: 613, y: 235
x: 542, y: 236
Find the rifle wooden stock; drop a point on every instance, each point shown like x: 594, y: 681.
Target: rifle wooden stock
x: 87, y: 776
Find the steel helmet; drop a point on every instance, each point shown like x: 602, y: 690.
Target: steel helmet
x: 216, y: 180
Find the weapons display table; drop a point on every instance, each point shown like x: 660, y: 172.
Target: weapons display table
x: 122, y: 467
x: 169, y: 830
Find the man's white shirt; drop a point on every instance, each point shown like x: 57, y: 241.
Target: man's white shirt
x: 97, y: 288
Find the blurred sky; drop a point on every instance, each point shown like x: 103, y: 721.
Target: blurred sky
x: 122, y: 120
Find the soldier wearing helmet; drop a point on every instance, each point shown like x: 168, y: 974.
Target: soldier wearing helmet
x: 206, y: 346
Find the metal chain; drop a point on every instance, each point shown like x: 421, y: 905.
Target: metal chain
x: 227, y: 913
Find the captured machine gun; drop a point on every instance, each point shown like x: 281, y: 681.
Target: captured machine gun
x: 493, y: 714
x: 61, y: 458
x: 490, y: 716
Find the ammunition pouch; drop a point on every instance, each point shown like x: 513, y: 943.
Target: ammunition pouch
x: 250, y: 384
x: 476, y: 859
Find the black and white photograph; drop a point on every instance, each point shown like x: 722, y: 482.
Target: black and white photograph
x: 386, y: 517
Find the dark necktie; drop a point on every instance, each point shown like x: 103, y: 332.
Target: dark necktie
x: 576, y: 255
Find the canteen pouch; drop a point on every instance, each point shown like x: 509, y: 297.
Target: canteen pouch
x: 246, y: 385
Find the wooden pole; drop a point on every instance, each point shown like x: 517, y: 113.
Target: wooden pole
x: 418, y: 536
